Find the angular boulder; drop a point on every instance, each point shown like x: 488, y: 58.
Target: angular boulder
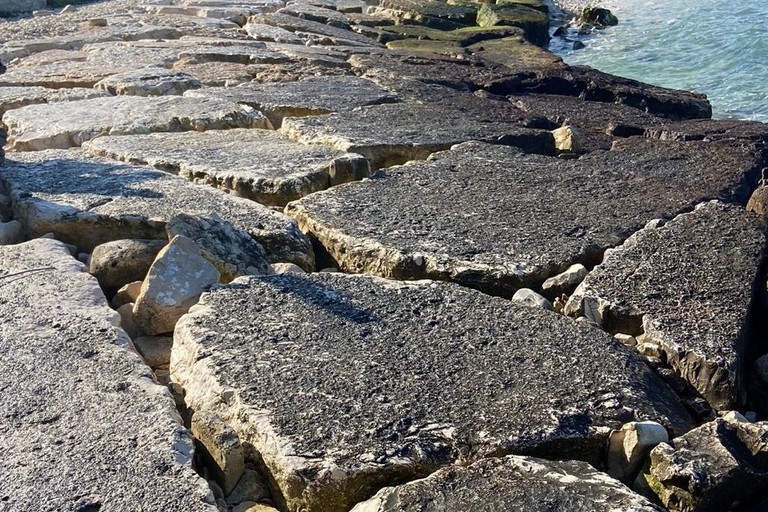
x: 534, y: 22
x: 120, y: 262
x: 354, y: 382
x: 687, y: 287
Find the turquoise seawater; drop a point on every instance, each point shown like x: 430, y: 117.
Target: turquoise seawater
x: 710, y: 46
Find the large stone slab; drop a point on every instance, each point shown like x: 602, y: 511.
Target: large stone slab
x: 430, y: 13
x: 88, y: 201
x: 260, y: 165
x: 308, y: 97
x: 64, y: 125
x: 354, y: 382
x: 308, y: 30
x: 393, y: 134
x: 83, y: 427
x: 16, y: 97
x: 523, y: 484
x: 492, y: 218
x: 688, y: 287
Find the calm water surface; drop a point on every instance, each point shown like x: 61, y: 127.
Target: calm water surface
x: 715, y: 47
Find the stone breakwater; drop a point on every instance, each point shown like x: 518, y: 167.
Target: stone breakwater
x: 333, y: 255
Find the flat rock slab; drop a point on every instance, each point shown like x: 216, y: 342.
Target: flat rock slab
x: 492, y: 218
x: 87, y: 427
x: 260, y: 165
x: 309, y: 97
x: 149, y: 82
x: 309, y: 30
x: 688, y: 287
x: 60, y: 126
x: 523, y: 484
x: 88, y: 201
x: 355, y: 382
x: 393, y: 134
x: 16, y: 97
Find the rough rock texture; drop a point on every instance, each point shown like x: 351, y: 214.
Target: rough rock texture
x: 17, y: 97
x: 87, y: 201
x: 308, y: 97
x: 714, y: 467
x: 149, y: 82
x: 442, y: 219
x: 155, y: 350
x: 115, y: 264
x: 523, y: 484
x: 256, y: 164
x: 355, y: 382
x: 177, y: 277
x: 688, y: 287
x: 30, y: 128
x: 87, y: 428
x: 12, y: 7
x: 233, y: 252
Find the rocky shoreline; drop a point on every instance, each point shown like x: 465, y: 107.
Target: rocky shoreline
x: 333, y: 255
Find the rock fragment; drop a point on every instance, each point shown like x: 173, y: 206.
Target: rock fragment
x: 401, y: 408
x: 178, y: 276
x: 565, y: 282
x: 155, y: 350
x: 120, y: 262
x: 524, y: 484
x: 687, y: 286
x: 629, y: 446
x: 222, y: 446
x: 530, y: 298
x: 149, y: 82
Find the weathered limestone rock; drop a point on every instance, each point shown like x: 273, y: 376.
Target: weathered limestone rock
x: 128, y: 293
x: 449, y: 218
x: 17, y: 97
x: 346, y: 6
x: 88, y: 201
x: 534, y: 22
x: 565, y: 282
x: 687, y: 286
x: 464, y: 36
x: 430, y: 13
x: 523, y: 484
x: 149, y: 82
x: 709, y: 129
x: 178, y: 276
x: 155, y: 350
x: 309, y: 97
x: 87, y: 429
x: 222, y: 446
x: 308, y: 30
x: 11, y: 233
x: 376, y: 374
x: 629, y: 446
x: 233, y: 252
x: 567, y: 140
x: 264, y: 32
x: 714, y: 467
x: 315, y: 13
x: 393, y: 134
x: 758, y: 202
x: 30, y: 128
x: 120, y: 262
x: 128, y: 321
x: 530, y: 298
x: 260, y: 165
x: 284, y: 268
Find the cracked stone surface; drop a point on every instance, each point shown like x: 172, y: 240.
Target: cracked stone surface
x: 87, y: 427
x: 16, y: 97
x: 255, y: 164
x: 442, y: 219
x: 87, y: 201
x: 149, y: 82
x: 355, y: 382
x: 524, y: 484
x: 60, y: 126
x: 688, y: 287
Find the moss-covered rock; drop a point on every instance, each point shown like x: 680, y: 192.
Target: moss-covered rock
x: 535, y: 23
x: 598, y: 16
x: 430, y: 13
x: 450, y: 48
x: 463, y: 36
x: 539, y: 5
x: 515, y: 53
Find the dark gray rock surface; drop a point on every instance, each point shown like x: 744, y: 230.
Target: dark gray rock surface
x: 492, y: 218
x: 310, y: 30
x: 522, y: 484
x: 89, y: 200
x: 345, y: 384
x: 261, y: 165
x: 82, y: 424
x: 687, y: 286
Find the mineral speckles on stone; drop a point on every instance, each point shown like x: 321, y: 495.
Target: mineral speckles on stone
x: 511, y: 483
x: 489, y: 217
x: 688, y: 286
x: 256, y: 164
x: 354, y: 381
x: 86, y: 428
x: 30, y: 128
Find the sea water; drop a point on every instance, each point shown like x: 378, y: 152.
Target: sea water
x: 710, y: 46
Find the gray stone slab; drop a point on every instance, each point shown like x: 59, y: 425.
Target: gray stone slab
x: 317, y: 13
x: 311, y: 29
x: 355, y: 382
x: 17, y: 97
x: 83, y: 427
x: 152, y: 81
x: 263, y: 32
x: 308, y: 97
x: 431, y: 13
x: 59, y: 125
x: 260, y: 165
x: 87, y: 201
x: 393, y: 134
x: 522, y: 484
x: 322, y: 57
x: 687, y: 287
x: 492, y: 218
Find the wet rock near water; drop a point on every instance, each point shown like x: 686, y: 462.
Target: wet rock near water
x: 355, y: 382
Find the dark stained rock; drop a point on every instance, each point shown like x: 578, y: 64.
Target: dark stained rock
x: 492, y: 218
x: 534, y: 22
x: 260, y: 165
x: 87, y: 201
x: 710, y: 129
x: 597, y: 16
x: 430, y: 13
x: 686, y: 286
x: 715, y: 467
x: 316, y: 13
x: 355, y: 382
x: 311, y: 30
x: 120, y: 262
x: 523, y: 484
x: 464, y: 36
x: 515, y: 55
x: 82, y: 426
